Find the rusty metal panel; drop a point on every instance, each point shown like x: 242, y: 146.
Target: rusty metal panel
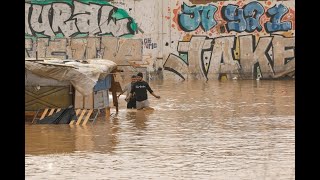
x: 47, y: 96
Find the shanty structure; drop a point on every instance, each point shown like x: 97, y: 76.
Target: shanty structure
x: 55, y: 84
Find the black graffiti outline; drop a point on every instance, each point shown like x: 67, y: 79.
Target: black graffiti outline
x: 173, y: 70
x: 72, y: 17
x: 206, y: 72
x: 201, y: 64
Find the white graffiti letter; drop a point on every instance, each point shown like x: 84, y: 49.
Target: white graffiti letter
x: 87, y: 17
x: 194, y: 51
x: 110, y: 25
x: 27, y: 29
x: 44, y: 25
x: 61, y: 14
x: 250, y: 53
x: 283, y: 53
x: 221, y: 59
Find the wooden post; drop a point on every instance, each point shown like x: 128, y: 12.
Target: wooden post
x: 107, y: 110
x: 114, y: 93
x: 115, y: 87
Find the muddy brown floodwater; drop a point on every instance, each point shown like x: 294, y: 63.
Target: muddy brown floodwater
x: 215, y: 130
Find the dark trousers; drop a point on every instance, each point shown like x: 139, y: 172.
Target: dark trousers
x: 132, y: 103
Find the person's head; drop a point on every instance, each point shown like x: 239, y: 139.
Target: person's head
x: 139, y: 76
x: 133, y: 78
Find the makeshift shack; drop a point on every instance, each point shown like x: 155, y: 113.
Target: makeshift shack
x: 56, y: 83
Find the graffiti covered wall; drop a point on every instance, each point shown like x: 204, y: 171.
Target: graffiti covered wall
x: 179, y: 39
x: 235, y: 39
x: 82, y: 29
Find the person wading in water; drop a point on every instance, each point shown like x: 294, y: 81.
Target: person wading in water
x: 140, y: 88
x: 131, y: 102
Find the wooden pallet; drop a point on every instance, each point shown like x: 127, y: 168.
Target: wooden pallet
x: 44, y: 113
x: 84, y: 117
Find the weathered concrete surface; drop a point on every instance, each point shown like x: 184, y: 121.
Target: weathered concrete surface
x: 243, y: 39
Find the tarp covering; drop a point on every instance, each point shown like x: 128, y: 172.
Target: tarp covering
x: 82, y: 75
x: 62, y: 117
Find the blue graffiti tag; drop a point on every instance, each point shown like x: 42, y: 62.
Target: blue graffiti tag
x: 207, y: 17
x: 276, y: 13
x: 235, y: 15
x: 190, y: 19
x: 238, y: 19
x: 252, y: 14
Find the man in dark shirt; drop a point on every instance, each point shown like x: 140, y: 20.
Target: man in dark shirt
x: 140, y: 89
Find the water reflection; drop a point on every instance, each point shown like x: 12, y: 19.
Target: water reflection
x: 221, y: 129
x: 53, y: 139
x: 48, y: 139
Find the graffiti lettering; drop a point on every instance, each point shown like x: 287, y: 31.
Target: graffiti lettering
x: 78, y: 18
x: 250, y: 54
x: 252, y: 13
x: 61, y: 15
x: 222, y: 60
x: 246, y: 19
x: 238, y: 19
x: 39, y: 20
x: 207, y: 14
x: 112, y: 48
x: 235, y: 18
x: 149, y: 44
x: 212, y: 57
x: 86, y: 17
x: 191, y: 17
x: 276, y: 13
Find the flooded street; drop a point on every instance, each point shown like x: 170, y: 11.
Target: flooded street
x: 219, y: 130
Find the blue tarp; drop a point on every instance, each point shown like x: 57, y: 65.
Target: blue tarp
x: 103, y: 84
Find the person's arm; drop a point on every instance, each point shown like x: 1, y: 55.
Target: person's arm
x: 155, y: 95
x: 131, y: 92
x: 129, y: 97
x: 124, y: 90
x: 151, y: 91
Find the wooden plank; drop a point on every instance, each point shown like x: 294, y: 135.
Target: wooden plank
x: 72, y: 122
x: 114, y: 92
x: 88, y: 101
x: 35, y: 117
x: 87, y: 117
x: 78, y: 101
x: 47, y: 96
x: 51, y: 111
x: 54, y: 64
x: 80, y: 118
x: 83, y: 102
x: 77, y: 113
x: 44, y: 113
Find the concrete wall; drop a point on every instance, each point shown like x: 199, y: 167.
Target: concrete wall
x: 172, y: 39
